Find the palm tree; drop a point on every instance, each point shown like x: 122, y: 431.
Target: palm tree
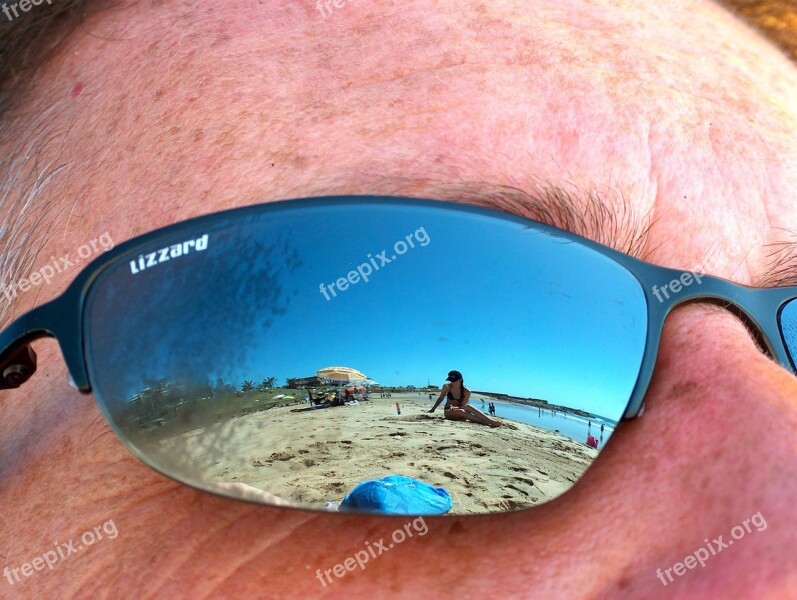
x: 247, y: 386
x: 268, y: 384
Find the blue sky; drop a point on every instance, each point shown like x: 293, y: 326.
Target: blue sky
x: 515, y: 310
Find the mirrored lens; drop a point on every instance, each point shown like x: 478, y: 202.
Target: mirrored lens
x: 293, y: 356
x: 788, y: 328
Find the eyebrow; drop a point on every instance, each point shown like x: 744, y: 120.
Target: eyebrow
x: 604, y: 217
x: 607, y: 218
x: 782, y: 257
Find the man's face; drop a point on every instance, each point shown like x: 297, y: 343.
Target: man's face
x: 676, y: 115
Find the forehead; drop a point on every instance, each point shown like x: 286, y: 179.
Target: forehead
x: 197, y: 109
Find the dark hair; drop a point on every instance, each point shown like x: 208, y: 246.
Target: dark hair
x: 27, y: 42
x: 449, y: 395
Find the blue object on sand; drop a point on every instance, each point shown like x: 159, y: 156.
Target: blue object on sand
x: 397, y: 495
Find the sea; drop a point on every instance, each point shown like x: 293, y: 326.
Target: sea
x: 573, y: 426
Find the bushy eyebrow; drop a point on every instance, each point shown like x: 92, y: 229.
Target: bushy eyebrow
x: 609, y: 220
x: 607, y: 217
x: 782, y: 257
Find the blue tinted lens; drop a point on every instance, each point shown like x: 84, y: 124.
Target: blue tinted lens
x: 214, y: 355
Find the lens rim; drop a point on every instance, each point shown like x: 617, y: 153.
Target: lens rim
x: 792, y: 354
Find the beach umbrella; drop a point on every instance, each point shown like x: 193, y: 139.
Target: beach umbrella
x: 341, y: 374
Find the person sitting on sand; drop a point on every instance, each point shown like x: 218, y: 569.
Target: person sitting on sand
x: 457, y: 407
x: 313, y: 399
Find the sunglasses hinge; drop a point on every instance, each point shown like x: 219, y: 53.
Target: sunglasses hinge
x: 18, y: 367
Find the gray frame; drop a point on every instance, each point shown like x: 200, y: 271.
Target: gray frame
x: 63, y: 317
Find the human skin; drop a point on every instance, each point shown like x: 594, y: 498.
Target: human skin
x: 677, y: 110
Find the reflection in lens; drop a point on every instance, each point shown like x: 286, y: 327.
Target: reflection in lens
x: 788, y: 327
x: 294, y: 356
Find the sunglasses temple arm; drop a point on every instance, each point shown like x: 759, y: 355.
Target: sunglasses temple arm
x: 17, y: 358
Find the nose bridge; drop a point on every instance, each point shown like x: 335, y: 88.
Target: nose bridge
x: 666, y: 288
x: 759, y: 308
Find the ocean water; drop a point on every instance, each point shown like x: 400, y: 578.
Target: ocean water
x: 573, y: 426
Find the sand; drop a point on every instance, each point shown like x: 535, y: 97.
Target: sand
x: 314, y: 458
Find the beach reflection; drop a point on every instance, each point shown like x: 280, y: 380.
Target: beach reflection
x: 312, y: 458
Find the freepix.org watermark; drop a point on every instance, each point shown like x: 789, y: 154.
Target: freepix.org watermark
x: 372, y: 550
x: 57, y: 265
x: 366, y: 269
x: 686, y: 279
x: 22, y: 5
x: 329, y: 5
x: 695, y: 274
x: 61, y: 552
x: 712, y: 548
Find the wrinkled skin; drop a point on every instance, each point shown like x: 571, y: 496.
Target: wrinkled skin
x: 679, y: 111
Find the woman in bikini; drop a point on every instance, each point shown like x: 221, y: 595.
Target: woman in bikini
x: 457, y: 407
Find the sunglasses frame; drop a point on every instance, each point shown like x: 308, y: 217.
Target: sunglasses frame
x: 63, y: 317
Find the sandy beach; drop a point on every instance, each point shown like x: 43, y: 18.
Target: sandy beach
x: 313, y: 458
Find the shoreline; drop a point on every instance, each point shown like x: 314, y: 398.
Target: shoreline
x: 543, y: 404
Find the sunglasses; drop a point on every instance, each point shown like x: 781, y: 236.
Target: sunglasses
x: 285, y: 353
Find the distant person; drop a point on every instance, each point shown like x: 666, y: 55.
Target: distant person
x: 457, y: 407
